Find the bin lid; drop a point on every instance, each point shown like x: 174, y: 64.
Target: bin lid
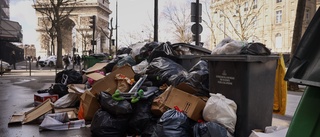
x: 188, y: 56
x: 192, y: 47
x: 304, y: 67
x: 240, y: 58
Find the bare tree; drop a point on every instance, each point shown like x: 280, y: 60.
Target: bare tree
x: 297, y: 31
x: 179, y: 17
x: 57, y: 12
x: 110, y: 28
x: 209, y: 21
x: 241, y: 17
x: 49, y: 34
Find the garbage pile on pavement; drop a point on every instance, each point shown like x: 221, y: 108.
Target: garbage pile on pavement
x: 161, y: 91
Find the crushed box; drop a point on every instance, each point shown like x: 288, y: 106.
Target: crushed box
x: 190, y: 104
x: 109, y: 83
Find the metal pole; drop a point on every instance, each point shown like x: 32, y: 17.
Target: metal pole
x: 197, y: 23
x: 155, y: 21
x: 27, y: 64
x: 116, y: 27
x: 29, y: 67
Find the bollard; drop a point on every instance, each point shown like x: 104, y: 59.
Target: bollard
x: 26, y: 64
x: 29, y: 67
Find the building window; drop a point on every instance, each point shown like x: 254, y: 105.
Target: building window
x: 278, y: 41
x: 255, y: 4
x: 279, y: 16
x: 278, y: 1
x: 246, y: 5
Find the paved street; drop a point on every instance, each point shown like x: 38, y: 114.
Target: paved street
x: 18, y: 87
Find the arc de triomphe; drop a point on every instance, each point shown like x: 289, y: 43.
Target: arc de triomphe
x: 76, y: 31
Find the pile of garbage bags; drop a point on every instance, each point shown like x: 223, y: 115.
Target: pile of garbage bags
x: 140, y: 92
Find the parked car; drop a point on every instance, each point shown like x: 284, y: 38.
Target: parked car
x: 5, y: 67
x: 49, y: 61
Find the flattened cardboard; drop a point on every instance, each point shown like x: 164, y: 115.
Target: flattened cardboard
x: 190, y: 104
x: 95, y: 67
x: 90, y: 105
x: 109, y: 83
x: 33, y: 114
x: 95, y: 76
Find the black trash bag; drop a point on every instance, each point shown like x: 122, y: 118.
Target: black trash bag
x: 142, y: 116
x: 198, y: 78
x: 176, y: 79
x: 255, y: 48
x: 163, y: 50
x: 109, y: 67
x: 201, y: 65
x: 174, y: 123
x: 74, y: 77
x: 112, y: 106
x: 124, y: 50
x: 105, y: 125
x: 126, y: 59
x: 150, y: 128
x: 59, y: 89
x: 209, y: 129
x: 166, y: 68
x: 40, y: 91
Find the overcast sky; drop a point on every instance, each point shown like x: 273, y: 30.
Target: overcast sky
x: 133, y: 15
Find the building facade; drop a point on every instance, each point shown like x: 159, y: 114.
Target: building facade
x: 10, y: 31
x: 265, y: 21
x: 77, y: 34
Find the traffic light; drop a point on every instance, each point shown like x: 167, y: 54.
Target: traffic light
x: 92, y: 22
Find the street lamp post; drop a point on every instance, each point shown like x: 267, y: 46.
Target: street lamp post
x: 155, y: 21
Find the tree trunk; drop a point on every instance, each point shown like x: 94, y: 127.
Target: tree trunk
x: 297, y: 36
x: 59, y: 48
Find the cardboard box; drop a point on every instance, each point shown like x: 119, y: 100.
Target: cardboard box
x: 109, y: 83
x: 190, y: 104
x: 39, y: 98
x: 95, y: 67
x: 25, y: 117
x: 90, y: 105
x: 95, y: 76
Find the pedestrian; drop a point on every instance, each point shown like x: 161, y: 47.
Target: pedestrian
x: 38, y: 61
x: 66, y: 61
x: 78, y: 61
x: 13, y: 56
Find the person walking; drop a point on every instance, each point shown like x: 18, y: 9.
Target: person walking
x: 13, y: 56
x: 37, y: 65
x: 78, y: 61
x: 66, y: 61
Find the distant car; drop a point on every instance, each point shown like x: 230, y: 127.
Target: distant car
x: 49, y: 61
x: 5, y: 67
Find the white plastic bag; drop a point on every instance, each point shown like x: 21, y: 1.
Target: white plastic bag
x: 222, y: 110
x: 141, y: 68
x: 68, y: 100
x: 229, y: 46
